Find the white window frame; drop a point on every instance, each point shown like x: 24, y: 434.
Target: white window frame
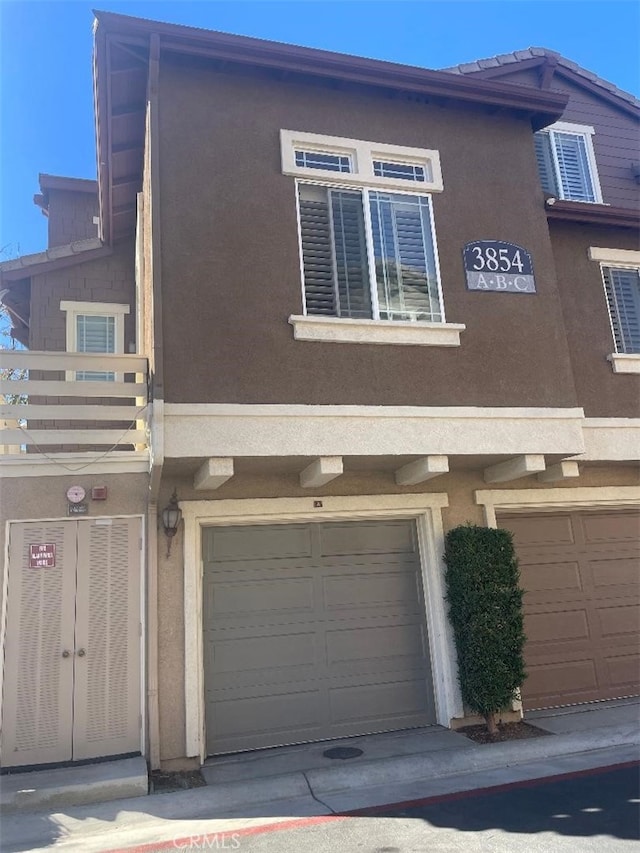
x: 362, y: 155
x: 618, y: 259
x: 587, y: 132
x: 99, y: 309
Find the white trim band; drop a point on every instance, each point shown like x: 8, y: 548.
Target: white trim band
x: 346, y: 330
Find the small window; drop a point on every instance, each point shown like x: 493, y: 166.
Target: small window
x: 622, y: 286
x: 566, y: 163
x: 95, y: 333
x: 95, y: 327
x: 401, y: 171
x: 326, y: 160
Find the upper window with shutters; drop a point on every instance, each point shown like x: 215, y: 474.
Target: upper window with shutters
x: 368, y: 250
x: 567, y: 163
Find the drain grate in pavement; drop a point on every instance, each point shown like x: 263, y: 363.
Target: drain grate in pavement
x: 342, y: 752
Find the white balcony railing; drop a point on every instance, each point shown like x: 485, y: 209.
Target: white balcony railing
x: 53, y: 410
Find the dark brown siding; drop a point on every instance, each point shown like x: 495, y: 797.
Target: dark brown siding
x: 109, y: 279
x: 601, y: 392
x: 71, y: 216
x: 616, y: 141
x: 230, y: 264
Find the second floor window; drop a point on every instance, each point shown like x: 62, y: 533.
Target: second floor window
x: 566, y: 162
x: 622, y: 286
x: 368, y: 254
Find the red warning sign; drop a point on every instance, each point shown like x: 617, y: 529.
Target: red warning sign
x: 42, y: 556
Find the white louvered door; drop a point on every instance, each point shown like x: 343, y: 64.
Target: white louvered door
x: 107, y: 641
x: 71, y: 686
x: 38, y: 669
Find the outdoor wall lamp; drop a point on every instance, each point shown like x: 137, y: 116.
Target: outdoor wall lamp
x: 171, y: 517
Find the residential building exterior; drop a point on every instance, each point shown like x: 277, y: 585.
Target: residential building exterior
x: 339, y: 306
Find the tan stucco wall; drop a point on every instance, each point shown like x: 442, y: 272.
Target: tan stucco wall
x: 45, y: 497
x: 460, y: 487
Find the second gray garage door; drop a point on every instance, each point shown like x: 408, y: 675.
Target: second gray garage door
x: 311, y: 632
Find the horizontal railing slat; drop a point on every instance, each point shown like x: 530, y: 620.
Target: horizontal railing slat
x: 72, y: 413
x: 44, y: 388
x: 32, y: 360
x: 44, y: 437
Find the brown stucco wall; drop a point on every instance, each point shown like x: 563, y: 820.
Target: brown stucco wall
x: 460, y: 487
x: 71, y: 216
x: 601, y: 392
x: 230, y: 264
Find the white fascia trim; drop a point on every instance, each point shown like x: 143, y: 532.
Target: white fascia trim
x: 611, y: 440
x: 110, y: 308
x: 362, y: 153
x: 619, y: 257
x: 560, y: 498
x: 397, y: 332
x: 66, y: 464
x: 426, y: 509
x: 236, y: 430
x: 624, y: 362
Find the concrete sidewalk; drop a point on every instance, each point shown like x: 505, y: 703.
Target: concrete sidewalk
x: 259, y: 788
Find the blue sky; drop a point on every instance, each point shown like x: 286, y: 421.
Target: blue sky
x: 46, y: 107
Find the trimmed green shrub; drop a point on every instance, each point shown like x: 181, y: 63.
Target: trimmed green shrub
x: 485, y: 609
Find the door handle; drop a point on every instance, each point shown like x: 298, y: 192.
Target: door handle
x: 81, y: 653
x: 65, y: 653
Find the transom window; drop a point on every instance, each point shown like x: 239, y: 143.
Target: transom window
x: 368, y: 254
x: 622, y: 286
x: 404, y: 171
x: 566, y: 162
x: 323, y: 160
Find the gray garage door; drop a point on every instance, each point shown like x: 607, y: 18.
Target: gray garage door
x: 311, y: 632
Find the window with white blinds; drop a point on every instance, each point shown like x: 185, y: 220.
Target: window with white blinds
x: 95, y: 333
x: 622, y: 286
x: 95, y: 327
x: 566, y: 163
x: 368, y: 254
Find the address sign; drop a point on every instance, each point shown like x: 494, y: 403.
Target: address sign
x: 498, y: 266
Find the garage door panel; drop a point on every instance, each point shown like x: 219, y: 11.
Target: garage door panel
x: 229, y: 598
x: 556, y: 530
x: 379, y: 643
x: 255, y: 654
x: 542, y: 581
x: 556, y: 627
x: 282, y: 637
x: 583, y: 632
x: 349, y: 539
x: 258, y: 542
x: 622, y: 669
x: 616, y: 621
x: 567, y: 676
x: 614, y: 572
x: 380, y: 589
x: 374, y: 703
x: 611, y: 527
x: 264, y: 715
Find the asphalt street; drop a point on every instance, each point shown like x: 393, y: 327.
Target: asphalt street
x: 580, y: 812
